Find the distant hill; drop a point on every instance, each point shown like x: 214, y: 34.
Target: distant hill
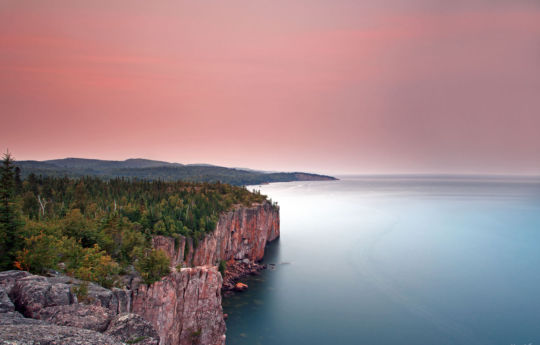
x: 154, y: 170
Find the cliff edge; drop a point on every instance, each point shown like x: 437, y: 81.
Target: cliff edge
x: 187, y: 309
x: 182, y: 308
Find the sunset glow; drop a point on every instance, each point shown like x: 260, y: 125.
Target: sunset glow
x: 309, y: 85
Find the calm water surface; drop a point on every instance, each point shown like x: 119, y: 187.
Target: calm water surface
x: 397, y: 260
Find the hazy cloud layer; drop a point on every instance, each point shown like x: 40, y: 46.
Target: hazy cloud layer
x: 332, y: 86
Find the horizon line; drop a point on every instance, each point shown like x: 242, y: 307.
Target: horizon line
x: 334, y: 174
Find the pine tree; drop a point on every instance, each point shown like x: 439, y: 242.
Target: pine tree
x: 18, y: 181
x: 9, y: 219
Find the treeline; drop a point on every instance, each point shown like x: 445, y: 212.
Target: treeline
x: 157, y: 170
x: 95, y: 229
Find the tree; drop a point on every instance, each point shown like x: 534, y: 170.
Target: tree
x: 222, y: 267
x: 18, y: 181
x: 40, y: 253
x: 10, y: 241
x: 153, y: 265
x: 97, y: 266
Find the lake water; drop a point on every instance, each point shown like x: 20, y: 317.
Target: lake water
x: 397, y: 260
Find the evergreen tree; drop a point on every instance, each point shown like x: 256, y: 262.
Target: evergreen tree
x: 18, y: 181
x: 10, y: 241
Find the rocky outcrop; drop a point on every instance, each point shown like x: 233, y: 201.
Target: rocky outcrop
x: 6, y: 305
x: 240, y: 234
x: 184, y: 307
x: 54, y: 315
x: 236, y: 270
x: 132, y: 328
x: 15, y: 329
x: 77, y: 315
x: 32, y: 293
x: 9, y: 278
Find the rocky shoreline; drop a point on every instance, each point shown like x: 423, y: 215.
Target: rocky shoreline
x: 236, y: 271
x: 183, y: 308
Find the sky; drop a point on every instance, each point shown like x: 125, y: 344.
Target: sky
x: 334, y: 86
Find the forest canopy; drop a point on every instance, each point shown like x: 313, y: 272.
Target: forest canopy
x: 158, y: 170
x: 93, y: 228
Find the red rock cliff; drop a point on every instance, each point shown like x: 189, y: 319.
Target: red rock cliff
x: 241, y: 233
x: 185, y: 307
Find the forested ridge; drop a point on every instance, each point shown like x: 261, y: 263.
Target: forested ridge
x: 95, y: 229
x: 159, y: 170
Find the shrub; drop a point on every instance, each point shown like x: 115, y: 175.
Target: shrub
x: 97, y: 266
x: 40, y: 252
x: 153, y: 265
x: 136, y: 340
x: 222, y: 267
x: 81, y: 292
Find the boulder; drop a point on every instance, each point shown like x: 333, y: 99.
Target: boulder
x: 237, y: 270
x: 6, y: 305
x: 32, y: 293
x: 122, y: 300
x: 19, y: 330
x: 133, y: 328
x: 15, y: 318
x: 240, y: 287
x: 9, y: 278
x: 117, y: 300
x: 78, y: 315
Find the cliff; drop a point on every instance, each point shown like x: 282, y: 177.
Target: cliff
x: 182, y: 308
x: 185, y: 307
x: 240, y: 234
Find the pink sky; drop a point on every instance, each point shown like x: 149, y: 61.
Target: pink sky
x: 326, y: 86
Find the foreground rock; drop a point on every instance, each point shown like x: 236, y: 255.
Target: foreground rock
x: 54, y: 315
x: 78, y: 315
x: 132, y: 328
x: 20, y: 330
x: 182, y: 308
x: 33, y: 293
x: 9, y: 278
x: 5, y: 303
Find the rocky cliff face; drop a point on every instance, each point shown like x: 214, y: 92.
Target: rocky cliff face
x: 183, y: 308
x: 240, y: 234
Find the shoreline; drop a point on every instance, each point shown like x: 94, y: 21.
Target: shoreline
x: 236, y: 271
